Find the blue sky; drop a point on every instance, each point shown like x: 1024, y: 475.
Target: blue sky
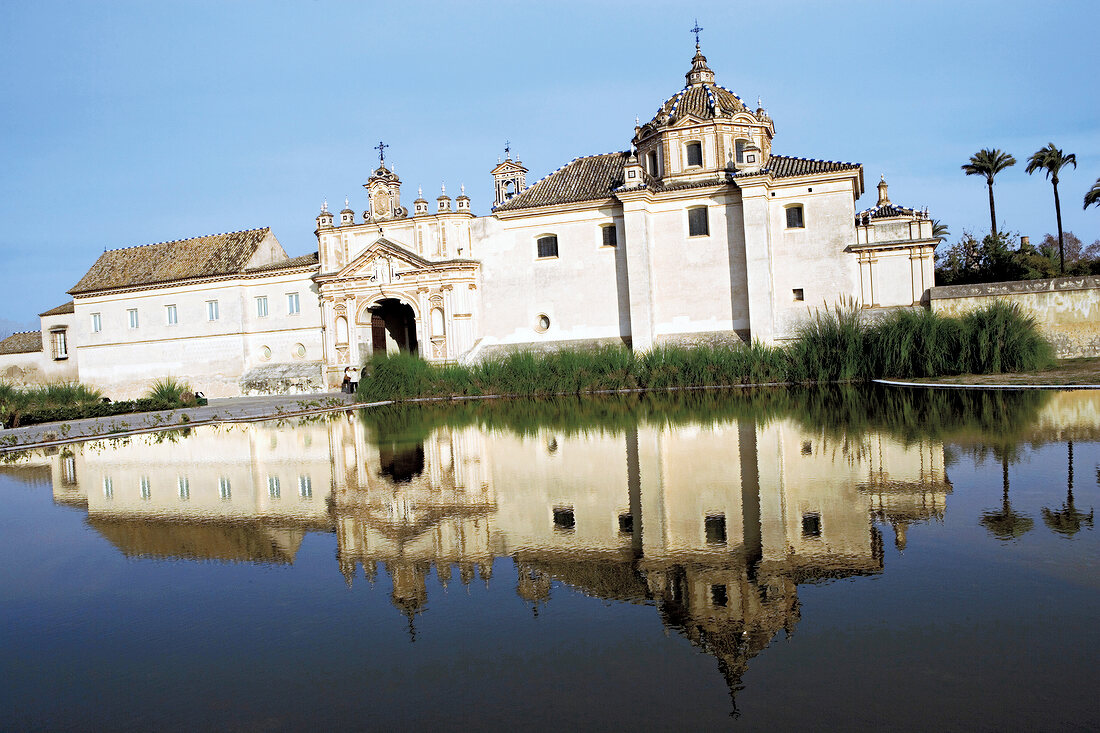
x: 130, y: 123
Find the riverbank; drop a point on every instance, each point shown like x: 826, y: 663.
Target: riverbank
x: 1082, y: 373
x: 229, y: 409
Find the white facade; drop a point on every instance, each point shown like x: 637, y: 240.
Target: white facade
x: 698, y: 233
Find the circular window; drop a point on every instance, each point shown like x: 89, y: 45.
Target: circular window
x: 542, y: 323
x: 299, y: 350
x: 265, y: 353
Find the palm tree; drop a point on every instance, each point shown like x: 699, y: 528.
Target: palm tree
x: 1093, y: 196
x: 1068, y: 521
x: 1006, y: 524
x: 941, y: 231
x: 1050, y: 160
x: 989, y: 162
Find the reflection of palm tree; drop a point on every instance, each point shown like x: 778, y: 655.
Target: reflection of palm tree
x: 1006, y: 524
x: 1068, y: 521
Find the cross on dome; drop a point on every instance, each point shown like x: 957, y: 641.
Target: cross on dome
x: 696, y: 30
x: 381, y: 148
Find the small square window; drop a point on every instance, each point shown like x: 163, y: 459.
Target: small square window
x: 799, y: 294
x: 631, y: 174
x: 698, y: 226
x: 794, y: 217
x: 132, y: 314
x: 293, y: 305
x: 171, y: 315
x: 626, y: 523
x: 548, y: 246
x: 811, y: 525
x: 261, y: 306
x: 694, y: 154
x: 715, y: 527
x: 610, y: 236
x: 719, y: 596
x: 564, y: 519
x: 807, y: 448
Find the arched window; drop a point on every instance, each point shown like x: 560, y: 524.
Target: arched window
x: 341, y: 330
x: 547, y: 245
x: 694, y: 154
x: 437, y: 322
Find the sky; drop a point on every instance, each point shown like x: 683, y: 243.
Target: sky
x: 130, y: 123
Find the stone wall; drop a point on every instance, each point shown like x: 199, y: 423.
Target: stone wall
x: 1067, y: 308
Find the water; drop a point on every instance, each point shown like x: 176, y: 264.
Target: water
x: 832, y: 559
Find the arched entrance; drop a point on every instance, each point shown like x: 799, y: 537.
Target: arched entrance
x: 392, y: 328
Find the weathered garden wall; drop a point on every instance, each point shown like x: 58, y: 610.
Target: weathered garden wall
x: 1067, y: 308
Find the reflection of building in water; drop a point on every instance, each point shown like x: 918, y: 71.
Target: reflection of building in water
x: 716, y: 525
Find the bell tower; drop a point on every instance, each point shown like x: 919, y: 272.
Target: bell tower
x: 384, y: 191
x: 509, y: 177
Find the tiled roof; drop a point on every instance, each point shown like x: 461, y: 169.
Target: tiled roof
x: 582, y: 179
x: 782, y: 166
x: 885, y: 212
x: 183, y: 259
x: 60, y: 310
x: 24, y: 342
x: 311, y: 259
x: 704, y: 101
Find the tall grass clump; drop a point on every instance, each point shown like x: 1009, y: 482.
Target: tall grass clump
x: 1002, y: 337
x: 916, y: 343
x: 831, y: 346
x: 168, y: 389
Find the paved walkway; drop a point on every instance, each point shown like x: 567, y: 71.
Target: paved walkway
x: 228, y: 409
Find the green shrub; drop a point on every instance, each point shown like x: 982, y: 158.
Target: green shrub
x: 169, y: 389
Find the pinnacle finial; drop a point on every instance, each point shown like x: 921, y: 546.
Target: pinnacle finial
x: 696, y: 30
x: 420, y: 191
x: 347, y: 203
x: 443, y: 187
x: 324, y: 206
x: 462, y: 188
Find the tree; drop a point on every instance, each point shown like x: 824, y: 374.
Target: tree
x: 1051, y: 160
x: 1067, y: 521
x: 988, y: 163
x: 1073, y: 245
x: 1006, y: 524
x: 941, y: 231
x: 1093, y: 196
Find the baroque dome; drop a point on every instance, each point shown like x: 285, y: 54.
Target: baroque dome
x: 700, y: 98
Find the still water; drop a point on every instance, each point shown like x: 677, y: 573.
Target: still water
x: 828, y: 559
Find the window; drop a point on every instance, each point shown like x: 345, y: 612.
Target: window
x: 437, y: 322
x: 740, y: 147
x: 133, y: 316
x: 807, y: 448
x: 697, y: 222
x: 811, y: 525
x: 542, y: 323
x: 293, y: 306
x: 211, y: 310
x: 341, y: 330
x: 146, y: 492
x: 799, y: 294
x: 225, y: 491
x: 97, y: 323
x: 108, y: 488
x: 171, y: 315
x: 184, y: 485
x: 626, y: 523
x: 564, y: 519
x: 651, y: 163
x: 719, y: 596
x: 610, y: 236
x: 68, y: 470
x: 59, y: 344
x: 274, y: 489
x: 261, y: 306
x: 305, y: 487
x: 694, y: 154
x: 548, y: 246
x: 715, y: 528
x: 794, y: 217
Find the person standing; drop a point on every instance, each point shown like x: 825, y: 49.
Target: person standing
x: 345, y: 386
x: 354, y: 377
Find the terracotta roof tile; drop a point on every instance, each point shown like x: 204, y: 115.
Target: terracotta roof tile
x: 782, y: 166
x: 582, y: 179
x: 886, y: 212
x: 312, y: 259
x: 60, y: 310
x: 183, y: 259
x: 24, y: 342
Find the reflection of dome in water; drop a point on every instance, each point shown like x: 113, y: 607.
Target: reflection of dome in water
x: 401, y: 463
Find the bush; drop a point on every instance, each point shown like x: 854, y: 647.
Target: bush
x: 834, y: 345
x: 168, y: 389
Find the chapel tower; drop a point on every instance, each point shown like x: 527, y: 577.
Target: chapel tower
x: 509, y: 178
